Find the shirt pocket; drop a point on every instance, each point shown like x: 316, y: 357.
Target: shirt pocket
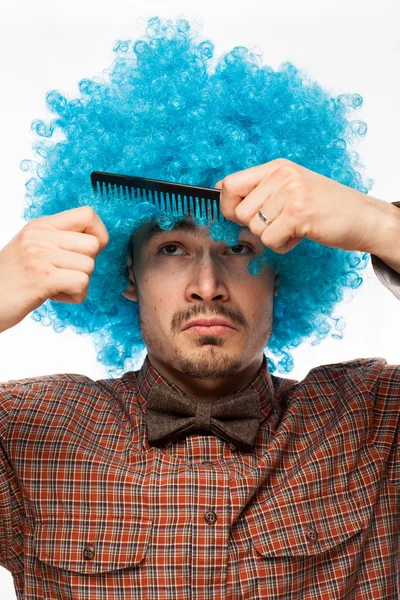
x: 282, y: 527
x: 91, y: 545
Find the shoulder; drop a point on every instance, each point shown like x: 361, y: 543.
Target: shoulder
x: 366, y: 384
x: 18, y: 389
x: 367, y: 372
x: 58, y: 395
x: 44, y: 384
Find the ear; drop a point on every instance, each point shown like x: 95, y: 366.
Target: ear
x: 130, y: 292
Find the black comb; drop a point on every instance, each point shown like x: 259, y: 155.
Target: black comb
x: 176, y: 198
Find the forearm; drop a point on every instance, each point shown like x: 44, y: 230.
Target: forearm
x: 386, y: 246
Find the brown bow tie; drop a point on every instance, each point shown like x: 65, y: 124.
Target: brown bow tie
x: 170, y: 416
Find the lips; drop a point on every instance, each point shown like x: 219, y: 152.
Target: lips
x: 208, y: 323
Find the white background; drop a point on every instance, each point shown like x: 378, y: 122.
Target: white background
x: 348, y: 46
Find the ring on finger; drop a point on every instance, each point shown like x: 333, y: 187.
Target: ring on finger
x: 264, y: 218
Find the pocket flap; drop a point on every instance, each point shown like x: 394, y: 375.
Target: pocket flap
x: 303, y: 528
x: 92, y: 545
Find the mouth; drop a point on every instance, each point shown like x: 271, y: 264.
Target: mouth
x: 209, y: 329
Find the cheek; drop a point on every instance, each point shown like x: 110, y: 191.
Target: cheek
x: 258, y: 296
x: 260, y: 285
x: 157, y: 300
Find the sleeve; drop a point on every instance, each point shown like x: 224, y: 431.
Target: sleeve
x: 385, y: 388
x: 386, y: 275
x: 11, y: 500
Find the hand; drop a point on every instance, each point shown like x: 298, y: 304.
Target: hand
x: 302, y: 204
x: 51, y: 257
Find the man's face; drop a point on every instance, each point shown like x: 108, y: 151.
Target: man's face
x: 182, y: 275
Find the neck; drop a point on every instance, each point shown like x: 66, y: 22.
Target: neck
x: 207, y: 390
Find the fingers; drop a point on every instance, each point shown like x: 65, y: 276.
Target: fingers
x: 58, y: 254
x: 64, y: 259
x: 237, y: 187
x: 269, y: 197
x: 74, y: 286
x: 267, y: 188
x: 278, y: 235
x: 74, y: 242
x: 83, y: 219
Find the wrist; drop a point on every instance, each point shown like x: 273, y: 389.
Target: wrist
x: 386, y: 243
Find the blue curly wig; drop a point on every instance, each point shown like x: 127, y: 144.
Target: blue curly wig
x: 161, y: 113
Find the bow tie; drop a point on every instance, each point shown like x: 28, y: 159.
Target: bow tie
x: 170, y: 416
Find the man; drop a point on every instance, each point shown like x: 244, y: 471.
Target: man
x: 202, y: 474
x: 192, y: 278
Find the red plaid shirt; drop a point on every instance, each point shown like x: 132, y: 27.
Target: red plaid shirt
x: 89, y: 510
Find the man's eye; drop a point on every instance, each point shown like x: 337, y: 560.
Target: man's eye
x: 169, y: 246
x: 232, y: 248
x: 239, y: 246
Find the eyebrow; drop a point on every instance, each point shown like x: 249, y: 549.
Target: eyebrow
x: 186, y: 226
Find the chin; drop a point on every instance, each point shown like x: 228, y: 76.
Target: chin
x: 210, y: 340
x: 208, y: 363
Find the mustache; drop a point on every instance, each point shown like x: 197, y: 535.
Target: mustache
x: 203, y: 311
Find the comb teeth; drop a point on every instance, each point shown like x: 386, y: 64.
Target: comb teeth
x: 178, y: 199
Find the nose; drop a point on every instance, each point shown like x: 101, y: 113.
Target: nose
x: 207, y: 282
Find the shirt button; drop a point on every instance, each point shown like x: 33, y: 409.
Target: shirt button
x: 210, y: 517
x: 312, y: 535
x: 88, y: 552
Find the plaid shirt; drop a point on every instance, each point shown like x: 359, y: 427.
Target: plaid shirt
x: 90, y: 510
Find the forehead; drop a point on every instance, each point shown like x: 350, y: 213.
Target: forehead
x: 187, y: 225
x: 151, y: 231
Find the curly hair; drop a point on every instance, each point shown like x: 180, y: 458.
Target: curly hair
x: 161, y: 112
